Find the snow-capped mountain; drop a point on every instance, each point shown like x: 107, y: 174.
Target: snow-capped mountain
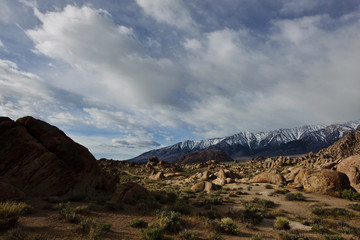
x: 299, y: 140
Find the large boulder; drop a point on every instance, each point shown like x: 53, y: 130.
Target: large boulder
x: 322, y: 181
x: 351, y: 167
x: 129, y: 191
x: 269, y: 176
x: 9, y: 191
x: 202, y: 186
x: 41, y: 160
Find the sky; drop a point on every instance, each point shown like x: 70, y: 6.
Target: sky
x: 124, y: 77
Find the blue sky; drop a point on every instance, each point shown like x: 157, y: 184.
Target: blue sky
x: 124, y: 77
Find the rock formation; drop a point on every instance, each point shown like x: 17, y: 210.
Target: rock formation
x: 204, y: 156
x: 351, y: 167
x: 322, y: 181
x: 41, y: 160
x: 269, y: 176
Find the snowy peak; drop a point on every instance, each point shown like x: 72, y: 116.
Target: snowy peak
x: 292, y: 141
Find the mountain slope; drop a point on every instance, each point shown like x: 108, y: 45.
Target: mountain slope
x: 299, y: 140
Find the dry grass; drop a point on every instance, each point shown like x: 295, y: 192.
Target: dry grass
x: 10, y: 213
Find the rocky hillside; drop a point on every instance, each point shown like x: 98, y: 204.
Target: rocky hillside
x: 282, y: 142
x: 204, y: 156
x: 41, y: 160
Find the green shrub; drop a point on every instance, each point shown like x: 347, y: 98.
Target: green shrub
x: 281, y: 224
x: 152, y: 234
x: 281, y: 191
x: 269, y: 186
x: 320, y: 229
x: 213, y: 235
x: 138, y: 223
x: 291, y: 236
x: 188, y: 235
x: 333, y: 212
x: 225, y: 225
x: 252, y: 214
x: 333, y: 237
x: 170, y: 221
x: 93, y: 229
x: 354, y: 206
x: 228, y: 226
x: 69, y: 213
x: 294, y: 196
x: 214, y: 200
x: 10, y: 213
x: 350, y: 194
x: 106, y: 227
x: 256, y: 237
x: 263, y: 203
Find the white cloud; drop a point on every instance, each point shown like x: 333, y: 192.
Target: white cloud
x: 172, y: 12
x: 135, y: 142
x: 297, y: 7
x: 221, y: 82
x: 1, y: 44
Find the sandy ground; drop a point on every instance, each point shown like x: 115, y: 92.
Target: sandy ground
x: 49, y: 222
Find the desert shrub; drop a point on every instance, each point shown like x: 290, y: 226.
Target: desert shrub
x: 350, y: 194
x: 252, y: 214
x: 113, y: 205
x: 164, y: 197
x: 213, y: 235
x: 170, y: 221
x: 239, y: 192
x: 228, y: 226
x: 15, y: 234
x: 281, y: 191
x: 294, y: 196
x: 333, y: 237
x: 281, y: 224
x: 180, y: 206
x: 249, y: 188
x: 69, y: 213
x: 152, y: 234
x: 187, y: 194
x: 211, y: 214
x: 263, y: 203
x: 106, y: 226
x: 354, y: 206
x: 334, y: 212
x: 269, y: 186
x: 147, y: 206
x: 320, y: 229
x: 256, y: 237
x: 225, y: 225
x: 214, y: 200
x: 291, y: 236
x: 10, y: 213
x: 138, y: 223
x: 93, y: 229
x: 188, y: 235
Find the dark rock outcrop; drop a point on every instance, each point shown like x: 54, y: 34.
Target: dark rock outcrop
x: 41, y: 160
x: 204, y: 156
x: 9, y: 191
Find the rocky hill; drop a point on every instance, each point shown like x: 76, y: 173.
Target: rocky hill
x: 204, y: 156
x: 282, y: 142
x: 41, y: 160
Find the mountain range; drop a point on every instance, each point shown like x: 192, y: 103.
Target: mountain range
x: 281, y: 142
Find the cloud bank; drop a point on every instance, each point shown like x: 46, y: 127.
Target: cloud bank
x: 211, y: 81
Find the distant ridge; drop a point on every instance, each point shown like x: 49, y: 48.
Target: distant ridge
x: 294, y: 141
